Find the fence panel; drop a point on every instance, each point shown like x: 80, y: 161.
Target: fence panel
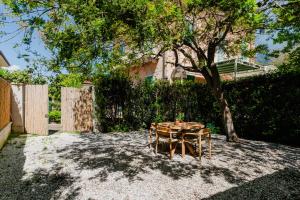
x: 5, y: 103
x: 36, y: 109
x: 17, y: 107
x: 77, y: 109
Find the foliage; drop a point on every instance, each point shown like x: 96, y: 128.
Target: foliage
x: 267, y: 107
x: 286, y: 23
x: 213, y: 128
x: 180, y: 117
x: 285, y: 27
x: 56, y: 82
x: 54, y: 116
x: 22, y: 76
x: 293, y: 62
x: 63, y: 80
x: 264, y: 107
x: 82, y: 34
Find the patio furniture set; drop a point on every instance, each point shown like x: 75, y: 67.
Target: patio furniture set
x: 191, y: 136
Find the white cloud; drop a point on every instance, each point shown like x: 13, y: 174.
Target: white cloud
x: 13, y: 68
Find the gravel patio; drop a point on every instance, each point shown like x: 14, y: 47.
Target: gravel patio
x: 121, y: 166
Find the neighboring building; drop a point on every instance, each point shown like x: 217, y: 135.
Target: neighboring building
x: 229, y: 68
x: 3, y: 61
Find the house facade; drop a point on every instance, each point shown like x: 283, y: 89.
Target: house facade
x: 230, y: 68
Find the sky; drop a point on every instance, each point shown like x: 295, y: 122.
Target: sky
x: 266, y: 39
x: 11, y: 53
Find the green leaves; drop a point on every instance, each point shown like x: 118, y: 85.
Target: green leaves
x: 22, y: 76
x: 84, y: 34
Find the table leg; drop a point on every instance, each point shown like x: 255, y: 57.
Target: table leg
x: 183, y: 149
x: 209, y: 145
x: 156, y: 144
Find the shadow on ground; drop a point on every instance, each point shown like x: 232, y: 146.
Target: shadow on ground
x: 42, y: 184
x: 283, y: 184
x: 129, y: 154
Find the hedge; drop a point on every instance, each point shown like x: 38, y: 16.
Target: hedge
x: 263, y: 107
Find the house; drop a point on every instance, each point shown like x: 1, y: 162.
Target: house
x: 230, y: 68
x: 3, y: 61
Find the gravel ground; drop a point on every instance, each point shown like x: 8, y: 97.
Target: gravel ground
x: 121, y: 166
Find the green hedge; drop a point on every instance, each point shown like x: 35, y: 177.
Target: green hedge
x: 54, y: 116
x: 264, y: 107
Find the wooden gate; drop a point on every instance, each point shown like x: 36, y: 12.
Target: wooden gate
x: 77, y: 109
x: 36, y: 109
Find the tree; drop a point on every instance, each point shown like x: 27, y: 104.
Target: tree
x: 22, y: 76
x: 287, y: 26
x: 82, y: 34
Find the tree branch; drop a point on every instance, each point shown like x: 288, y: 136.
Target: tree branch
x: 188, y: 56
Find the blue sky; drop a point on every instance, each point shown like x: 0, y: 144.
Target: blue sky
x: 11, y: 53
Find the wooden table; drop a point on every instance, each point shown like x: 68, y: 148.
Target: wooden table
x: 180, y: 129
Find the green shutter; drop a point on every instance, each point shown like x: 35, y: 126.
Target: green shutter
x: 149, y: 78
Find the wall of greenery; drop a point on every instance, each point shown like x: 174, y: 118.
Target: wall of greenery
x: 264, y: 107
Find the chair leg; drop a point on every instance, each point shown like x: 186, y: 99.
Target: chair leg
x: 150, y: 138
x: 171, y: 148
x: 183, y: 149
x: 156, y: 144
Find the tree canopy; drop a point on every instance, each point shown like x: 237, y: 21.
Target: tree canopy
x: 287, y: 26
x: 82, y: 34
x: 22, y: 76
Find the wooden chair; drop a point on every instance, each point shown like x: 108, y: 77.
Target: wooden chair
x: 152, y: 130
x: 164, y: 132
x: 199, y: 138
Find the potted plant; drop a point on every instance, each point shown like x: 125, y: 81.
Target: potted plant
x: 179, y: 118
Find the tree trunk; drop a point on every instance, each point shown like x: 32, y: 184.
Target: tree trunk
x: 227, y: 119
x: 214, y: 82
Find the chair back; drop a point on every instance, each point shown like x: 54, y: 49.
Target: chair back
x: 163, y: 131
x: 153, y: 126
x: 205, y: 131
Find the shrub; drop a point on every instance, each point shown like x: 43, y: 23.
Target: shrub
x: 263, y: 107
x: 54, y: 116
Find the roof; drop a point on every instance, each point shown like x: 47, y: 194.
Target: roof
x: 231, y: 66
x: 3, y: 61
x: 236, y: 65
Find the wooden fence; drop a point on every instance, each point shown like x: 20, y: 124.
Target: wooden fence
x: 77, y: 109
x: 36, y: 109
x: 5, y: 103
